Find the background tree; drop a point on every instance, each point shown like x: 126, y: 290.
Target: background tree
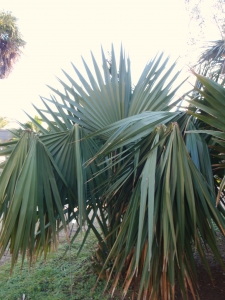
x: 3, y: 122
x: 11, y: 43
x: 211, y: 64
x: 32, y: 125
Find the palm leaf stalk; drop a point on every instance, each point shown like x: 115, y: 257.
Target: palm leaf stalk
x: 115, y: 154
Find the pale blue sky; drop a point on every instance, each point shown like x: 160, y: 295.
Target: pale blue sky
x: 58, y: 32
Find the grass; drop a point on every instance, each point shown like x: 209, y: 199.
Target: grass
x: 60, y: 277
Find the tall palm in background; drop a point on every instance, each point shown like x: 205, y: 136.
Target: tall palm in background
x: 119, y: 155
x: 11, y: 43
x: 211, y: 62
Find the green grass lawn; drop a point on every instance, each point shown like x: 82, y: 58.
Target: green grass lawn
x: 60, y: 277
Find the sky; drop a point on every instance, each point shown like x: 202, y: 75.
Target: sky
x: 60, y: 32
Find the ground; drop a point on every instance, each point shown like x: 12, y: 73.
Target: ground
x: 208, y: 290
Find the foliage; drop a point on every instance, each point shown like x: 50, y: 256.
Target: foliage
x: 30, y: 125
x: 208, y: 98
x: 117, y: 154
x: 10, y: 43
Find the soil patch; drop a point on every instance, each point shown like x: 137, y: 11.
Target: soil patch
x: 208, y: 289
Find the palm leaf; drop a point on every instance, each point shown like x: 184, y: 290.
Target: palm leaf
x: 165, y: 210
x: 211, y: 108
x: 29, y: 193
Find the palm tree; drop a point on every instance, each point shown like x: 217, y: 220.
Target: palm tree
x: 10, y: 43
x: 116, y: 154
x: 214, y: 53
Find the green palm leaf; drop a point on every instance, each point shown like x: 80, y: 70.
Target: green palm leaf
x: 170, y: 205
x: 104, y: 100
x: 29, y: 196
x: 211, y: 112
